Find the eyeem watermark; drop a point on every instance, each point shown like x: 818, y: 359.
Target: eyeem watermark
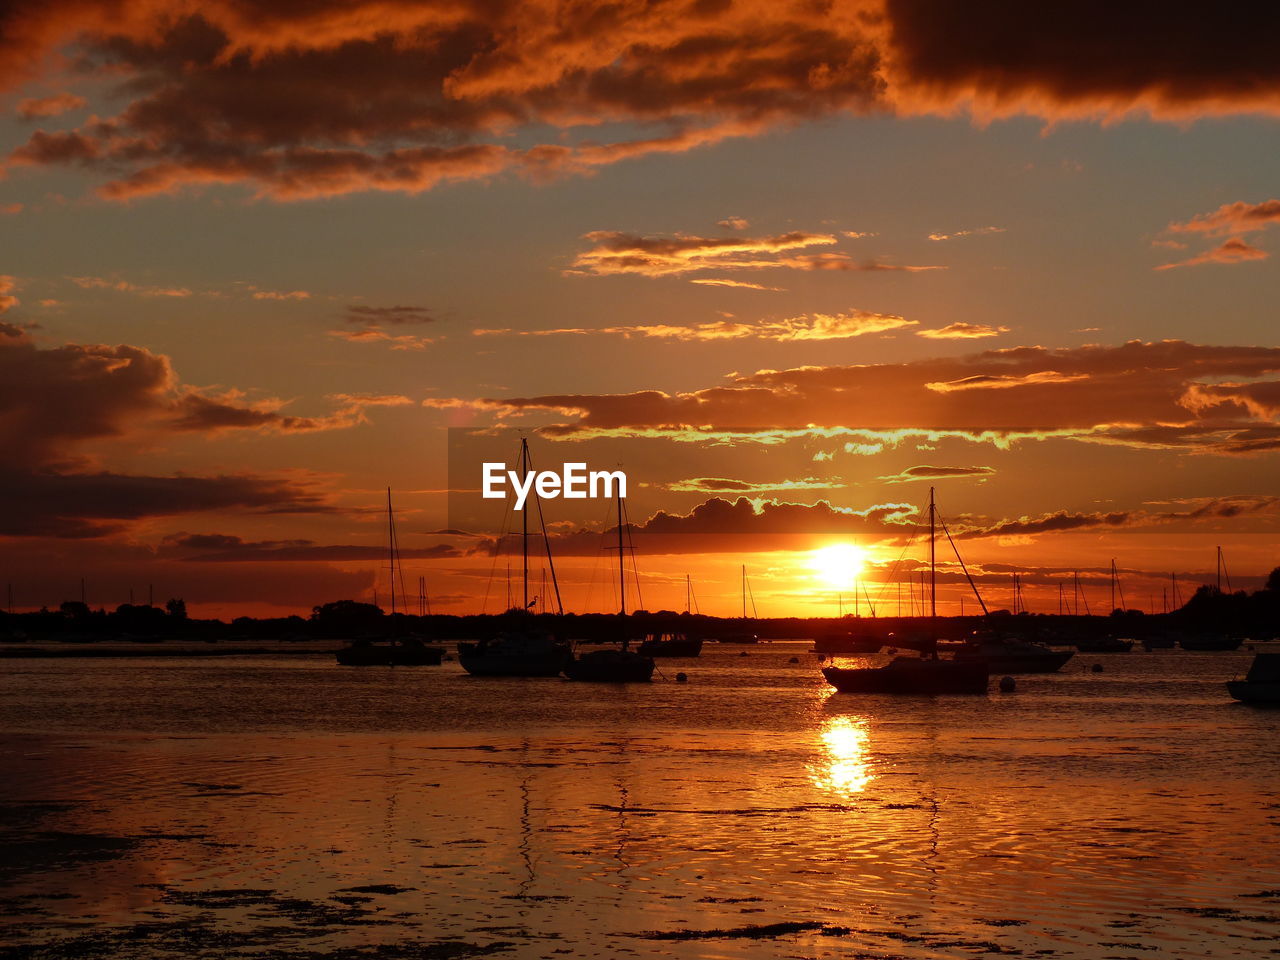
x: 573, y: 482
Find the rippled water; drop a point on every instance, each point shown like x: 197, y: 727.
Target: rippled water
x: 282, y: 806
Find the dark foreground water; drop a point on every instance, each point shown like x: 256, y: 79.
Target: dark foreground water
x: 288, y: 808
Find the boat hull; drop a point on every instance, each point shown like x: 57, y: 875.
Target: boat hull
x: 479, y: 662
x: 689, y: 647
x: 1050, y: 662
x: 918, y: 677
x: 1251, y: 692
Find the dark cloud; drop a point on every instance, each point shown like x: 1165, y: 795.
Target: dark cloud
x: 301, y: 100
x: 54, y: 400
x: 387, y: 316
x: 227, y: 548
x: 746, y: 524
x: 81, y: 505
x: 1082, y: 59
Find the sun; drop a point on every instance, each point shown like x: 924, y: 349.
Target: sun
x: 838, y: 565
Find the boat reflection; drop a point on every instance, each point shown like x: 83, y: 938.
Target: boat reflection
x: 846, y: 765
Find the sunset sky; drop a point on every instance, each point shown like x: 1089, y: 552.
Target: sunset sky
x: 785, y: 263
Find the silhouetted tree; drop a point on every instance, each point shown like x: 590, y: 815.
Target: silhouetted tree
x: 346, y: 618
x: 75, y: 609
x: 176, y: 608
x: 1273, y: 582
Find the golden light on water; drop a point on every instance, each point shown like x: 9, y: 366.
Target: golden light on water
x: 838, y: 565
x: 846, y: 767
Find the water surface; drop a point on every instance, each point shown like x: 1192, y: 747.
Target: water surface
x: 287, y: 807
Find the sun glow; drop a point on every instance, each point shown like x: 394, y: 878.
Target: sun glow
x: 839, y: 564
x: 845, y: 748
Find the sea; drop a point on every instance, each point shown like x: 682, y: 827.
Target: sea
x: 281, y: 806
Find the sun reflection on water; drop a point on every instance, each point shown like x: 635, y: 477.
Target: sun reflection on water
x: 846, y: 767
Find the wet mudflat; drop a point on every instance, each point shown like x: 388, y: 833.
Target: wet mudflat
x: 289, y: 808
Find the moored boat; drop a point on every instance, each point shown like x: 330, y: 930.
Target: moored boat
x: 622, y: 665
x: 1261, y: 684
x: 670, y: 645
x: 517, y: 653
x: 393, y: 651
x: 1013, y: 655
x: 610, y: 666
x: 524, y: 651
x: 912, y: 675
x: 927, y: 674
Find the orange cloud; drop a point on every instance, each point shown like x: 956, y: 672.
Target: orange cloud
x: 1005, y: 381
x: 40, y: 107
x: 1234, y: 250
x: 124, y: 286
x: 742, y: 284
x: 1131, y: 394
x: 7, y: 300
x: 962, y: 331
x: 926, y: 472
x: 616, y: 253
x: 281, y: 295
x: 817, y: 326
x: 1232, y: 218
x: 376, y: 335
x: 724, y: 485
x: 976, y: 232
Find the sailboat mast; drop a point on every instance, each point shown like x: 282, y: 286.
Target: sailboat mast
x: 391, y: 551
x: 622, y: 567
x: 524, y: 519
x: 688, y: 593
x: 744, y: 591
x: 933, y: 578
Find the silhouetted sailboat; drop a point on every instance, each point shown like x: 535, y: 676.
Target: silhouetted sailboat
x: 670, y: 645
x: 396, y: 651
x: 927, y: 674
x: 523, y: 651
x: 1012, y: 654
x: 1215, y: 639
x: 744, y: 636
x: 674, y: 644
x: 621, y: 665
x: 1262, y: 683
